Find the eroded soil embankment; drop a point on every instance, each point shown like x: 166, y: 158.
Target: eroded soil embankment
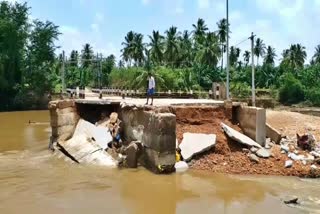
x: 227, y: 156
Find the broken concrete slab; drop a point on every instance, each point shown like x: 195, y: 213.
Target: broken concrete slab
x: 100, y: 134
x: 272, y: 133
x: 193, y: 144
x: 263, y: 153
x: 237, y: 136
x: 82, y: 149
x: 181, y: 166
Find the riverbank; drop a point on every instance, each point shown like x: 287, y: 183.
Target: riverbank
x: 229, y: 156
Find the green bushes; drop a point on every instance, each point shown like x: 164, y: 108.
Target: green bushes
x: 313, y: 96
x: 291, y: 91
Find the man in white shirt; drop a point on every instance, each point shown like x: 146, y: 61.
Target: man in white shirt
x: 151, y: 88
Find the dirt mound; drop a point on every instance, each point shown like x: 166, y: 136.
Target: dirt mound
x: 227, y: 156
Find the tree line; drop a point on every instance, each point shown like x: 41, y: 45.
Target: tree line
x: 30, y: 68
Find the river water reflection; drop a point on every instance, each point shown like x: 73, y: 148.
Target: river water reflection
x: 32, y: 181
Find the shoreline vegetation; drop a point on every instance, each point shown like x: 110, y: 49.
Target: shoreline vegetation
x: 179, y: 59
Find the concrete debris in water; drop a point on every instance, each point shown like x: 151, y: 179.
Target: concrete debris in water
x: 101, y: 135
x: 81, y: 148
x: 237, y: 136
x: 181, y: 166
x: 193, y: 144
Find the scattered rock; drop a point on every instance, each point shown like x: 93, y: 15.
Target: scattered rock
x: 267, y: 146
x: 296, y: 152
x: 291, y: 201
x: 181, y: 166
x: 263, y: 153
x: 309, y: 158
x: 284, y: 148
x: 253, y: 158
x: 315, y: 154
x: 237, y: 136
x: 254, y: 149
x: 288, y: 163
x: 317, y: 161
x: 313, y: 166
x: 193, y: 144
x: 295, y: 157
x: 245, y: 150
x: 304, y: 162
x: 283, y: 152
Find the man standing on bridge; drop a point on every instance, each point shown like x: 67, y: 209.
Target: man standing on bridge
x: 151, y: 88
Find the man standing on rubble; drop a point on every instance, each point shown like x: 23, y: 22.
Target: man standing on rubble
x: 151, y: 88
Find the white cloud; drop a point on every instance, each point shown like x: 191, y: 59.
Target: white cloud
x: 203, y: 4
x: 145, y: 2
x: 179, y: 8
x: 74, y: 39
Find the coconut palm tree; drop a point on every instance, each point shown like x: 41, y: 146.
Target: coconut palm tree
x: 172, y: 45
x: 138, y: 49
x: 222, y: 34
x: 186, y: 49
x: 127, y: 52
x: 246, y: 57
x: 234, y: 55
x: 259, y: 49
x: 209, y: 51
x: 199, y: 31
x: 316, y: 56
x: 270, y: 56
x: 74, y: 57
x: 86, y: 55
x: 156, y: 47
x: 294, y: 57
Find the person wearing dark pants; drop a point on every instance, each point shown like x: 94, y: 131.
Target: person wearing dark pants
x: 151, y: 88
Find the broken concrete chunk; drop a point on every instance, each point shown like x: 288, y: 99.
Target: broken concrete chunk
x: 193, y: 144
x: 315, y: 154
x: 237, y: 136
x: 253, y: 158
x: 313, y: 166
x: 181, y: 166
x: 272, y: 133
x: 132, y: 155
x: 254, y: 149
x: 284, y: 148
x: 288, y: 163
x: 263, y: 153
x: 82, y: 149
x: 101, y: 135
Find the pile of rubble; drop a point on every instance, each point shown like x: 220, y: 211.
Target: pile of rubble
x: 99, y: 144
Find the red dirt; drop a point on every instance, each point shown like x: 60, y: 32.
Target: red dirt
x: 227, y: 156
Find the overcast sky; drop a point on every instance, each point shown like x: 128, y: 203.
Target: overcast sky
x: 104, y: 23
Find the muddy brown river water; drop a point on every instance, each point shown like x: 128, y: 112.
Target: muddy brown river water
x: 32, y: 181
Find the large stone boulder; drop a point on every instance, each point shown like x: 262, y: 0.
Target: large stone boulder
x: 193, y: 144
